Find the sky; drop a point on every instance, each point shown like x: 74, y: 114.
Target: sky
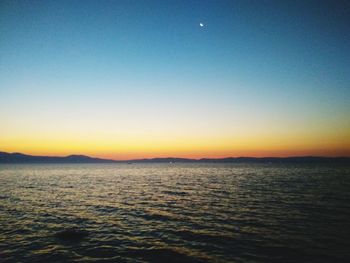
x: 134, y: 79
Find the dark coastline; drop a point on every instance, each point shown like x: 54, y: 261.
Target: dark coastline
x: 24, y: 158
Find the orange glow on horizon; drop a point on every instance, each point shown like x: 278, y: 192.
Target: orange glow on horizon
x: 135, y: 146
x: 123, y: 152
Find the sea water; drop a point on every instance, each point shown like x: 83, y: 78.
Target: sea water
x: 174, y: 213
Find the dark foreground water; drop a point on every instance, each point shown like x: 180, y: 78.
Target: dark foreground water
x: 174, y: 213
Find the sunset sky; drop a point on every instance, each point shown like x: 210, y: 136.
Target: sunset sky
x: 133, y: 79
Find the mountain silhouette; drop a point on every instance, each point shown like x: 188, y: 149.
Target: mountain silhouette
x: 24, y: 158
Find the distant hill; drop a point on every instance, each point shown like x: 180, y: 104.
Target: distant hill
x: 297, y: 159
x: 24, y: 158
x: 294, y: 159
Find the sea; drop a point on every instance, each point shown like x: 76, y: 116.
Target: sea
x: 174, y: 212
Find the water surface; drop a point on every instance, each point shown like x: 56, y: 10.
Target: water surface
x: 174, y: 213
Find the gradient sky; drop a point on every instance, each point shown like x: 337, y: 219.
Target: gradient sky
x: 130, y: 79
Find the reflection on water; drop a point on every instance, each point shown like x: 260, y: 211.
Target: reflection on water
x: 174, y: 212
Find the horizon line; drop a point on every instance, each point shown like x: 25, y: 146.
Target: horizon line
x: 185, y: 158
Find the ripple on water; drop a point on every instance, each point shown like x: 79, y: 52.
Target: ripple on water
x: 176, y: 213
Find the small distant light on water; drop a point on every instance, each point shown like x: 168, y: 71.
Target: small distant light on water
x: 201, y: 24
